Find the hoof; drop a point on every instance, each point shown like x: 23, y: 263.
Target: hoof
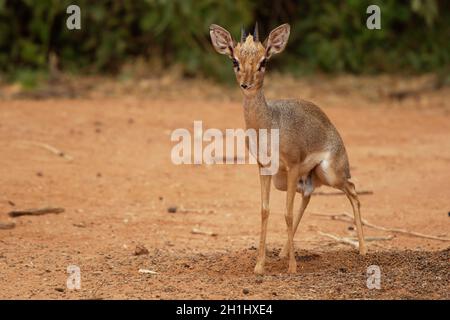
x: 292, y: 268
x: 259, y: 269
x: 362, y: 251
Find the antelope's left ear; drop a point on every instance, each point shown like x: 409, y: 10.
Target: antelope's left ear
x: 277, y: 40
x: 221, y: 40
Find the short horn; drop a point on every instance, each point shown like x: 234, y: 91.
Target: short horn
x: 256, y: 32
x: 243, y: 36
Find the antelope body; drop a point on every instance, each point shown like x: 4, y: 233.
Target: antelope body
x: 311, y: 151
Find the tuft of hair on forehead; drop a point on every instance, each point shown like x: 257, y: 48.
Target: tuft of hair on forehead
x: 250, y: 47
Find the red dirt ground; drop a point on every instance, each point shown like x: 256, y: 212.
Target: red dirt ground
x: 120, y: 183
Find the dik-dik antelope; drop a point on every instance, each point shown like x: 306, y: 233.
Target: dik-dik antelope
x: 311, y: 151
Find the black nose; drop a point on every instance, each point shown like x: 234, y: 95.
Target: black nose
x: 244, y: 86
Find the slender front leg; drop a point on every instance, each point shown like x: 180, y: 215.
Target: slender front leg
x: 291, y: 190
x: 265, y: 195
x: 305, y: 201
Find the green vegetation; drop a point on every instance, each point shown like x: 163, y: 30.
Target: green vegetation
x: 327, y: 36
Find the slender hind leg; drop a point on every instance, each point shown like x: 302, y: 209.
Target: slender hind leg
x: 265, y: 195
x: 349, y: 189
x: 305, y: 201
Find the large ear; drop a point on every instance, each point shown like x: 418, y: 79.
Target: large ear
x: 277, y: 40
x: 221, y: 40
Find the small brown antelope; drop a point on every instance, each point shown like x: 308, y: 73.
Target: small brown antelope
x: 311, y: 151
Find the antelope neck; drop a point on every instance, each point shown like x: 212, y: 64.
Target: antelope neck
x: 256, y: 111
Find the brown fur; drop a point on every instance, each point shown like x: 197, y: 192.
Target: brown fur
x: 312, y: 152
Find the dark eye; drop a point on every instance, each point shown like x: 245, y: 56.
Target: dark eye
x: 262, y: 64
x: 235, y: 64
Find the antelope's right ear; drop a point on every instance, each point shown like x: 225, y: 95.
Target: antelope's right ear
x: 221, y: 40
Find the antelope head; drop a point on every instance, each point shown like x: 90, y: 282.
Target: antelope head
x: 249, y: 56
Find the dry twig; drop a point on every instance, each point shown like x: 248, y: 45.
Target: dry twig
x: 193, y: 210
x: 377, y: 238
x: 35, y: 212
x: 7, y: 225
x: 208, y: 233
x: 50, y: 148
x: 339, y: 239
x: 353, y: 241
x: 147, y: 271
x: 339, y: 193
x: 348, y: 218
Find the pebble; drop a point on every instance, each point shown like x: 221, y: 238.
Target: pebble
x: 245, y: 291
x: 140, y: 250
x: 79, y: 225
x: 172, y: 209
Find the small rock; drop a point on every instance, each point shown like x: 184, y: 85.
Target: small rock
x: 274, y: 294
x: 79, y: 225
x: 7, y: 225
x: 160, y: 198
x: 351, y: 228
x: 140, y: 250
x: 147, y: 271
x: 245, y: 291
x: 343, y: 270
x: 11, y: 203
x: 259, y: 280
x: 172, y: 209
x: 39, y: 174
x: 59, y: 289
x: 99, y: 175
x: 449, y: 213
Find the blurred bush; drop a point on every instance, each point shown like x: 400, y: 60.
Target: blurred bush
x: 329, y: 36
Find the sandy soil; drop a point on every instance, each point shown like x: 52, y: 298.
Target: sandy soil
x: 117, y: 190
